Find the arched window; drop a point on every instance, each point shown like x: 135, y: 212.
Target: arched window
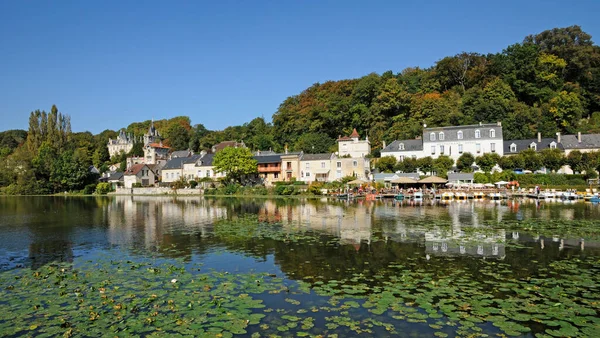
x: 441, y: 136
x: 533, y: 146
x: 459, y: 135
x: 432, y: 137
x: 477, y: 133
x: 492, y: 133
x: 401, y: 146
x: 513, y: 148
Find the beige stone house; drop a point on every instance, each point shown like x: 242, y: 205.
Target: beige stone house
x: 290, y: 166
x: 139, y: 173
x: 352, y: 146
x: 316, y: 167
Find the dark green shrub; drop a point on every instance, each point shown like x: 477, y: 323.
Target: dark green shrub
x: 89, y: 189
x: 230, y: 189
x: 103, y: 188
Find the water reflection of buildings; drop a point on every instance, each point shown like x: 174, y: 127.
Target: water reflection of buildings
x: 351, y: 224
x: 454, y: 228
x: 150, y: 221
x: 458, y: 228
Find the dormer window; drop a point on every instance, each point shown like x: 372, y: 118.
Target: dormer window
x: 441, y: 136
x: 459, y: 135
x: 401, y: 146
x: 553, y: 145
x: 513, y: 148
x: 533, y: 146
x: 432, y: 137
x: 492, y: 133
x: 477, y: 133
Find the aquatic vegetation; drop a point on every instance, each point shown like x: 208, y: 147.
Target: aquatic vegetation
x: 399, y: 280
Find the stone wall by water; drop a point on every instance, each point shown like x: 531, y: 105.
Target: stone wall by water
x: 156, y: 191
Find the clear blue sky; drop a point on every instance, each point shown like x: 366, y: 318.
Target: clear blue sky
x: 110, y: 63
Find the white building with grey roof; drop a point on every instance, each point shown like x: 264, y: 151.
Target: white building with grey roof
x: 451, y: 141
x: 584, y: 143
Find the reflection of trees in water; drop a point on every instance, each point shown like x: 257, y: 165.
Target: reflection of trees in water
x: 181, y: 226
x: 53, y: 225
x: 44, y: 252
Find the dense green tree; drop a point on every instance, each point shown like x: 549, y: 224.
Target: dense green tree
x: 235, y: 163
x: 425, y: 164
x: 407, y: 165
x: 465, y: 162
x: 575, y: 161
x: 70, y: 171
x: 137, y: 150
x: 11, y: 139
x: 531, y: 160
x: 197, y: 133
x: 314, y: 143
x: 178, y: 137
x: 490, y: 104
x: 486, y: 162
x: 461, y: 70
x: 507, y: 163
x: 442, y: 165
x: 552, y: 159
x: 567, y: 109
x: 386, y: 164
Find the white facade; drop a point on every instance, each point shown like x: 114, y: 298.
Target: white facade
x: 450, y: 141
x: 455, y: 141
x: 352, y: 146
x: 123, y: 143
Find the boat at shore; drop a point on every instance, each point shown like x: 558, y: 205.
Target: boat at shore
x: 446, y: 196
x: 495, y: 196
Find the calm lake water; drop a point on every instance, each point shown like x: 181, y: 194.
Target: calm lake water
x: 384, y: 268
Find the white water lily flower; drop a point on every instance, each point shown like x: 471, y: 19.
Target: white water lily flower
x: 173, y: 280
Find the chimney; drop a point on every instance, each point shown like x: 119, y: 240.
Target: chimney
x: 424, y: 125
x: 480, y: 123
x: 539, y: 137
x: 286, y: 150
x: 383, y: 145
x: 579, y: 136
x: 558, y: 137
x: 499, y: 124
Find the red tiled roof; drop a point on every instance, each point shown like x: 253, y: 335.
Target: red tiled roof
x: 158, y: 145
x: 354, y: 133
x: 225, y: 144
x: 344, y: 138
x: 135, y: 169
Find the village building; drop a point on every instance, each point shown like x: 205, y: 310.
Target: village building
x: 122, y: 144
x: 402, y: 149
x: 352, y: 146
x: 139, y: 173
x: 290, y: 166
x: 316, y: 167
x: 584, y: 143
x: 460, y: 178
x: 204, y: 168
x: 452, y: 141
x: 513, y: 147
x: 155, y: 153
x: 173, y: 170
x: 222, y: 145
x: 269, y: 169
